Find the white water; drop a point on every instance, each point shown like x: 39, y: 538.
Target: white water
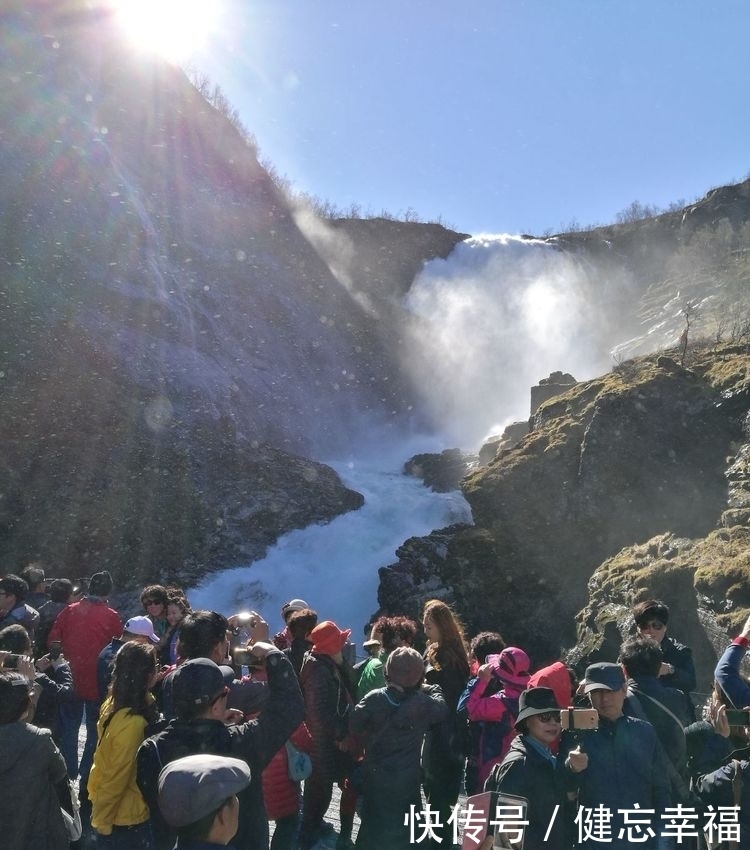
x: 334, y: 567
x: 494, y: 318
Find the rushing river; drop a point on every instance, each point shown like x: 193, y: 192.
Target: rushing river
x: 334, y: 567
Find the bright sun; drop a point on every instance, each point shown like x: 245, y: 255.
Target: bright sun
x: 171, y: 28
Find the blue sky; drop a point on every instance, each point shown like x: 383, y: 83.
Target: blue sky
x: 496, y: 116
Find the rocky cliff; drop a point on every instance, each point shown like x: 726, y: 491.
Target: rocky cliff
x: 176, y: 338
x: 643, y: 454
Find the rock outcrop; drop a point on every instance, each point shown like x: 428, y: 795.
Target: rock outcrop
x: 442, y: 472
x: 639, y: 452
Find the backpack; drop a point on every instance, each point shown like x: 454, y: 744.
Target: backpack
x: 497, y: 735
x: 492, y: 736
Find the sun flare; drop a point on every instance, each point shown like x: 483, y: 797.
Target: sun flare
x: 171, y: 28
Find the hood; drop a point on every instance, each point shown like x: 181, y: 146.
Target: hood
x: 557, y: 678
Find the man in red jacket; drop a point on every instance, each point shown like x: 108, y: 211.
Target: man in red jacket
x: 84, y: 629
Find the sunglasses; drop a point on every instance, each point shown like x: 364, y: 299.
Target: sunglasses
x: 656, y: 625
x: 549, y: 716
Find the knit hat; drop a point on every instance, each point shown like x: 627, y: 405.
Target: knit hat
x: 142, y: 626
x: 328, y: 638
x: 194, y: 786
x: 101, y: 584
x: 290, y: 607
x: 511, y: 666
x: 196, y: 682
x: 404, y: 667
x: 535, y: 701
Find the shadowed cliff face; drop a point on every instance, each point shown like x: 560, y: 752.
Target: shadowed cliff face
x: 172, y: 337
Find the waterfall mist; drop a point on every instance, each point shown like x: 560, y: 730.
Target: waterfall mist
x: 496, y: 316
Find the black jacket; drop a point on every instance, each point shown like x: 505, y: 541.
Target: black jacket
x: 716, y: 789
x: 526, y: 773
x: 327, y: 689
x: 256, y: 741
x: 445, y: 746
x: 681, y: 658
x: 392, y: 724
x: 670, y: 730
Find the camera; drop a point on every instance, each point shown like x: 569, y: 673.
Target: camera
x: 243, y: 657
x: 737, y: 717
x: 579, y: 718
x: 247, y: 618
x: 55, y: 650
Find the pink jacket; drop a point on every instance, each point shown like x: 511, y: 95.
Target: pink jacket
x: 493, y: 709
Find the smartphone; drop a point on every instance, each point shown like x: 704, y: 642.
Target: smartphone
x: 55, y: 650
x: 579, y: 718
x: 243, y: 657
x: 737, y: 717
x: 10, y: 661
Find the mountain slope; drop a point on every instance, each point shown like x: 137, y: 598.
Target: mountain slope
x: 173, y: 339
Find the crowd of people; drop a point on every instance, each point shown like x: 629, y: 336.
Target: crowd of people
x: 201, y: 730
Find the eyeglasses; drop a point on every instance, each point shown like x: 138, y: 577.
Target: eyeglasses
x: 656, y: 625
x: 549, y: 716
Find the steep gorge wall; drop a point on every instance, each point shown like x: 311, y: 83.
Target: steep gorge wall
x: 639, y: 452
x: 174, y: 345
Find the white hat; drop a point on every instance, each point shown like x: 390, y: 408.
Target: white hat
x: 142, y: 626
x: 292, y: 606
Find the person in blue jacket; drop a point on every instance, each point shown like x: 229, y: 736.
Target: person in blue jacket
x: 727, y: 673
x: 620, y: 766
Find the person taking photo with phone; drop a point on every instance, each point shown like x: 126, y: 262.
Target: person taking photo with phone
x: 618, y: 767
x: 530, y: 770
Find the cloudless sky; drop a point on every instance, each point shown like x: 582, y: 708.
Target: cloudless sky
x: 497, y: 116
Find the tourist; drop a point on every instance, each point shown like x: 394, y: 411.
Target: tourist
x: 138, y: 629
x: 30, y: 771
x: 529, y: 770
x: 283, y: 639
x: 119, y: 814
x: 83, y: 629
x: 677, y: 668
x: 13, y: 607
x: 154, y: 601
x: 392, y: 721
x: 199, y: 797
x: 299, y: 626
x: 619, y: 767
x: 199, y: 697
x: 495, y: 710
x: 328, y: 687
x: 177, y: 609
x: 445, y: 745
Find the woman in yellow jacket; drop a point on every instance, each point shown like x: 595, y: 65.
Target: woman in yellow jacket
x: 119, y: 814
